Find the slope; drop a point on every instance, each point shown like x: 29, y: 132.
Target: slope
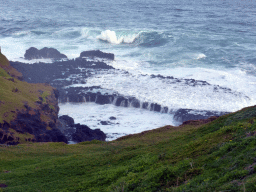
x: 217, y: 154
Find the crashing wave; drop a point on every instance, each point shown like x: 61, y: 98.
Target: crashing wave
x: 145, y: 39
x: 111, y: 37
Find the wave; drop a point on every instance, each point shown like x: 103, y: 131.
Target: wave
x: 142, y: 38
x: 81, y: 34
x: 200, y: 56
x: 111, y: 37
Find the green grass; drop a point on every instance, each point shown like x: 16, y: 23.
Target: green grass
x: 3, y: 61
x: 14, y: 94
x: 218, y: 156
x: 3, y: 73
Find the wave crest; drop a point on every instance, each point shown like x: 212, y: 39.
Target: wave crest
x: 111, y: 37
x: 144, y: 39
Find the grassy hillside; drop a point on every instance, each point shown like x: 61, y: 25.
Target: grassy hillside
x: 18, y: 97
x: 4, y: 64
x: 217, y: 156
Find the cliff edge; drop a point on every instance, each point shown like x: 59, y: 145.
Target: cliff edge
x: 28, y: 112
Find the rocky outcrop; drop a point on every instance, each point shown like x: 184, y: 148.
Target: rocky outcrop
x: 97, y: 53
x: 45, y: 53
x: 77, y: 132
x: 34, y: 122
x: 28, y: 112
x: 183, y: 115
x: 65, y: 74
x: 84, y: 133
x: 42, y: 72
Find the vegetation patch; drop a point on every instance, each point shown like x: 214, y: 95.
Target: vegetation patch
x: 217, y: 156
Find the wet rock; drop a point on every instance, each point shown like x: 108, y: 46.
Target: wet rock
x: 84, y: 133
x: 112, y: 118
x: 45, y: 53
x: 77, y: 132
x: 105, y: 123
x: 145, y: 105
x: 69, y: 121
x: 165, y: 110
x: 135, y: 103
x: 102, y: 99
x: 183, y: 115
x: 97, y: 53
x: 155, y: 107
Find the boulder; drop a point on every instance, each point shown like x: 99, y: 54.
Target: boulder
x: 45, y: 53
x: 69, y: 121
x: 97, y: 53
x: 76, y: 132
x: 84, y: 133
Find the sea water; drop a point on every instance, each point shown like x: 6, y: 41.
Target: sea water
x: 124, y: 121
x: 212, y: 41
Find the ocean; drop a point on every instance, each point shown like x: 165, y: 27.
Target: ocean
x: 210, y: 42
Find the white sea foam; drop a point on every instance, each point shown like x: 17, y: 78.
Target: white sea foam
x: 236, y: 79
x: 111, y: 37
x: 168, y: 92
x: 128, y: 120
x: 200, y: 56
x: 33, y: 61
x: 21, y: 33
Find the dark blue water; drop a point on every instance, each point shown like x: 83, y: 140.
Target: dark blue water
x: 210, y: 40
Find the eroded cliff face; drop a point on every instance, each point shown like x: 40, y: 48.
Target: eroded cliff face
x: 28, y: 112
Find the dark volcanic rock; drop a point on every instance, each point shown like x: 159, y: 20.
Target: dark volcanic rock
x: 105, y: 123
x: 112, y: 118
x: 68, y: 120
x: 45, y: 53
x: 45, y: 73
x: 102, y: 99
x: 183, y: 115
x: 77, y: 132
x: 84, y: 133
x: 57, y: 136
x: 27, y: 123
x: 97, y: 53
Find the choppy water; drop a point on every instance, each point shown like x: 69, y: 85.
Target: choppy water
x: 212, y: 41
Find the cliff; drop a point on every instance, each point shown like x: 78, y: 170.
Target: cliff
x: 28, y: 112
